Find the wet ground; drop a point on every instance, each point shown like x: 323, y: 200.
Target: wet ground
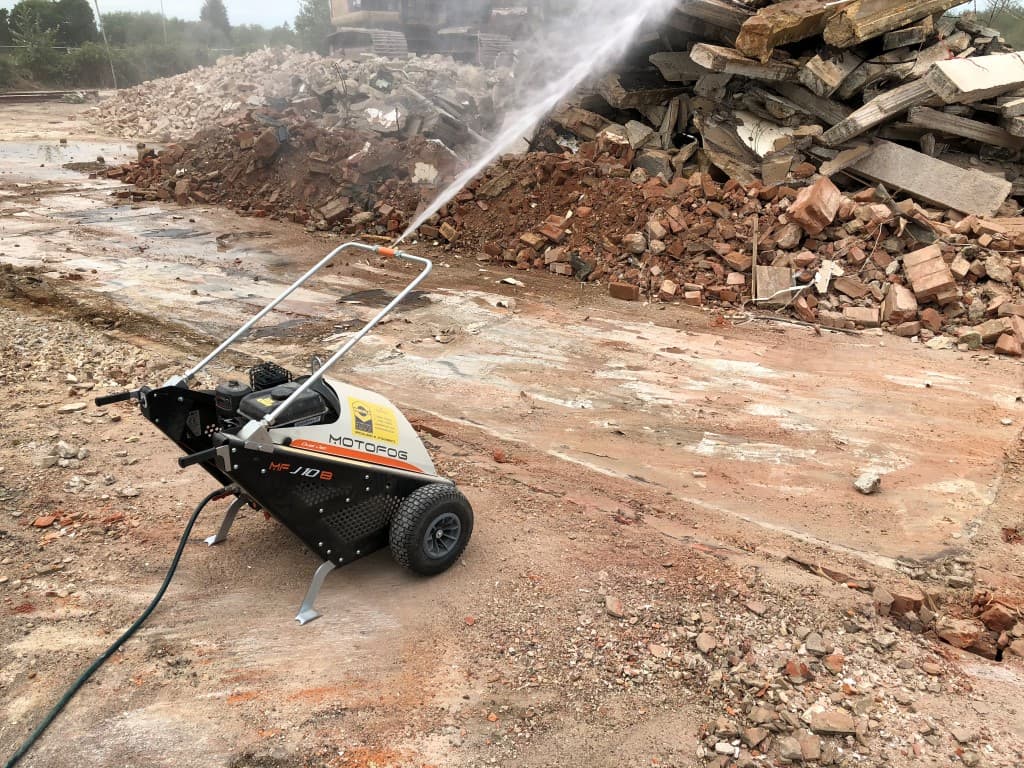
x: 733, y: 432
x: 777, y: 420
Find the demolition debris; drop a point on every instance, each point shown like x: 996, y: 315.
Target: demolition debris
x: 433, y: 96
x: 851, y: 166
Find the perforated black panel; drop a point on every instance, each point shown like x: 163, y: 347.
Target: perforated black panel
x: 316, y: 493
x: 355, y: 521
x: 340, y: 509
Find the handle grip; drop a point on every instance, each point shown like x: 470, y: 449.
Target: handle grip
x: 197, y: 458
x: 117, y: 397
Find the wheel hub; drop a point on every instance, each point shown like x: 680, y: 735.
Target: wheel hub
x: 442, y: 535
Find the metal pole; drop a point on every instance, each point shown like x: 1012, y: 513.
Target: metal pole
x: 163, y: 19
x: 110, y: 58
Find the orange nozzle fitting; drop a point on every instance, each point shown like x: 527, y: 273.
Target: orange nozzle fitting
x: 386, y: 252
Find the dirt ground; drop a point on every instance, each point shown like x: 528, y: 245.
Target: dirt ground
x: 645, y: 478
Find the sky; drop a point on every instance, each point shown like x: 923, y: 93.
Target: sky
x: 269, y: 14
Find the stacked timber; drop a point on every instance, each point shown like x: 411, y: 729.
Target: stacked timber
x: 899, y: 93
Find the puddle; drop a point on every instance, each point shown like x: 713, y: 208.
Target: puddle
x: 379, y: 298
x: 175, y: 232
x: 44, y: 160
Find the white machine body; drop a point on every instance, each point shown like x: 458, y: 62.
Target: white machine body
x: 370, y: 428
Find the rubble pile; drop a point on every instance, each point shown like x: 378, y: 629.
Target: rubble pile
x: 785, y: 684
x: 432, y: 95
x: 841, y: 260
x: 287, y: 167
x: 895, y: 93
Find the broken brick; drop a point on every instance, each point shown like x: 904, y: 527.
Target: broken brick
x: 865, y: 316
x: 1008, y: 345
x: 816, y: 206
x: 624, y: 291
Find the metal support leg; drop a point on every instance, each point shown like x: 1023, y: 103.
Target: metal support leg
x: 306, y: 611
x: 225, y: 525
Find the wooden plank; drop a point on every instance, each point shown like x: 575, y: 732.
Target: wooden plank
x: 1014, y: 126
x: 628, y: 90
x: 677, y: 67
x: 963, y: 81
x: 934, y: 120
x: 869, y: 73
x: 933, y: 181
x: 913, y: 35
x: 824, y: 76
x: 844, y: 160
x: 866, y: 19
x: 731, y: 62
x: 878, y: 110
x: 1012, y: 108
x: 942, y: 51
x: 722, y: 14
x: 787, y: 22
x: 697, y: 29
x: 829, y: 112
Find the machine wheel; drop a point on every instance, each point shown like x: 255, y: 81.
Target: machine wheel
x: 431, y: 528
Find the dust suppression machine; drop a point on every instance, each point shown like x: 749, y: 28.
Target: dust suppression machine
x: 340, y: 466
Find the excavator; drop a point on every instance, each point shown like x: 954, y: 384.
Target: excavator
x: 475, y: 31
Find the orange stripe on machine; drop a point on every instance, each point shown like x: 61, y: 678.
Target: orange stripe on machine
x: 347, y: 453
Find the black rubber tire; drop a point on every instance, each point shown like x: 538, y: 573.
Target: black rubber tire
x: 418, y: 511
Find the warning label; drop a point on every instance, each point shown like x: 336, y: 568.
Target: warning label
x: 377, y: 422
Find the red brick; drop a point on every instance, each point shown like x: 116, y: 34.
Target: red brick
x: 668, y: 290
x: 865, y: 316
x: 624, y: 291
x: 740, y: 262
x: 1008, y: 345
x: 931, y: 319
x: 899, y: 306
x: 553, y: 233
x: 532, y: 239
x: 816, y: 206
x: 803, y: 311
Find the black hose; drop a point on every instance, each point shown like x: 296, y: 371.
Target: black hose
x: 99, y: 662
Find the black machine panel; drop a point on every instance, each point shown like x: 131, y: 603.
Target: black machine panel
x: 186, y: 416
x: 339, y: 509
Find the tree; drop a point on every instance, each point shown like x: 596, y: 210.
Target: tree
x: 215, y: 14
x: 313, y: 24
x: 30, y: 17
x: 5, y: 27
x: 36, y: 54
x: 77, y: 24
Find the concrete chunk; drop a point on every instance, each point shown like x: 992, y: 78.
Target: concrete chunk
x: 934, y: 181
x: 965, y: 81
x: 773, y: 284
x: 991, y: 330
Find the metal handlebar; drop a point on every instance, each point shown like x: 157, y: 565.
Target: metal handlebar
x: 271, y: 418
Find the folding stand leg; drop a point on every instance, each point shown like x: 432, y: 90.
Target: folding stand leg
x: 306, y: 611
x: 225, y: 526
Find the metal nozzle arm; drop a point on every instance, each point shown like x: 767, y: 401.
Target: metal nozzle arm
x: 317, y: 375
